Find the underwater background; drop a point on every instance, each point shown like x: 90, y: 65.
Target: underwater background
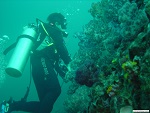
x: 109, y: 42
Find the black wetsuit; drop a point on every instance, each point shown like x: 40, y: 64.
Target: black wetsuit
x: 44, y: 75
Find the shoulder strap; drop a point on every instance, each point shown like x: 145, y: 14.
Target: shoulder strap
x: 47, y: 33
x: 42, y: 38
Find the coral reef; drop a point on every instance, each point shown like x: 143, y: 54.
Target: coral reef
x: 147, y: 7
x: 131, y: 20
x: 87, y: 74
x: 79, y: 100
x: 117, y: 42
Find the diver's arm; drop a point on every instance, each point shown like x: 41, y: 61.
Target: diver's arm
x: 63, y: 52
x: 57, y: 37
x: 60, y: 45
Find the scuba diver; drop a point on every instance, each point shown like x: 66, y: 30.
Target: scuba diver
x: 48, y: 50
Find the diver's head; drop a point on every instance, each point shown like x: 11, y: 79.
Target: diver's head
x: 58, y: 20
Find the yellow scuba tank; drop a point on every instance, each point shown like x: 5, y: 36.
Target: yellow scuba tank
x: 22, y: 51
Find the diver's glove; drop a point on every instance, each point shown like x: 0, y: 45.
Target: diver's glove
x: 64, y: 68
x: 61, y: 69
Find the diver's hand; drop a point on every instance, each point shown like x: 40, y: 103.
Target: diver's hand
x: 64, y: 68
